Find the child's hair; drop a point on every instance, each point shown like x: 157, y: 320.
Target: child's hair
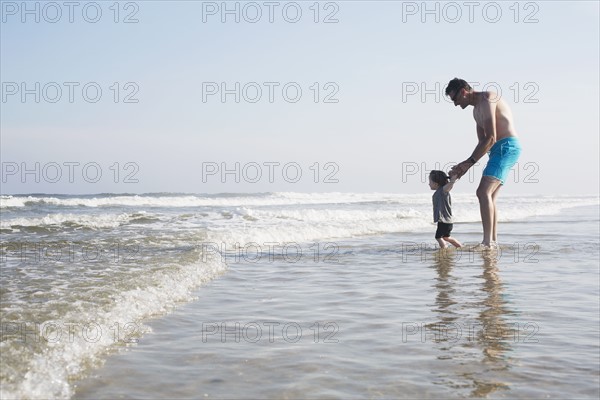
x: 439, y: 177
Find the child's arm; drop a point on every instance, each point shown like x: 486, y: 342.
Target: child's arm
x: 448, y: 186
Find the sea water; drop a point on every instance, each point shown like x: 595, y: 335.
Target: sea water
x: 288, y: 295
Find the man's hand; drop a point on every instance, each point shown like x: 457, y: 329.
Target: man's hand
x: 460, y: 169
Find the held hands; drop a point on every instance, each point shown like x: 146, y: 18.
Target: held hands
x: 459, y: 170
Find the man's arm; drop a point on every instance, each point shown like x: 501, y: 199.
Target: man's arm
x: 486, y: 137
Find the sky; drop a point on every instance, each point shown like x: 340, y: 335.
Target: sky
x: 277, y: 96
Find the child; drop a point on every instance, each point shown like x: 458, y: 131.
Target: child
x: 442, y: 207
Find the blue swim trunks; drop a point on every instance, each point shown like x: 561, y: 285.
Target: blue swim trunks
x: 503, y: 156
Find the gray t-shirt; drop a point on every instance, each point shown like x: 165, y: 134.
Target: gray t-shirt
x: 442, y: 206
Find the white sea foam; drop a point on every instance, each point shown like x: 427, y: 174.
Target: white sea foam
x: 309, y: 223
x: 47, y: 374
x: 304, y: 225
x: 271, y: 199
x: 83, y: 220
x: 10, y: 201
x: 294, y: 216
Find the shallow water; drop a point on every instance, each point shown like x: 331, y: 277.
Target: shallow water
x: 385, y: 321
x: 335, y: 295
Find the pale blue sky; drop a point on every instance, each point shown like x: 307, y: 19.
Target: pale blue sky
x: 371, y: 54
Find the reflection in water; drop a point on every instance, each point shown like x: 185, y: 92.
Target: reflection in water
x: 472, y: 331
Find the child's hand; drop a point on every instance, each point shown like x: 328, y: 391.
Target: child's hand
x: 453, y: 178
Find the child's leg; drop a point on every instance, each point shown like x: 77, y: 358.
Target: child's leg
x: 452, y: 241
x: 441, y: 242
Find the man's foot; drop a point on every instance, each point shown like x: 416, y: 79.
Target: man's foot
x: 494, y: 244
x: 482, y: 247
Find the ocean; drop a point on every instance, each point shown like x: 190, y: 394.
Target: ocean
x: 296, y: 295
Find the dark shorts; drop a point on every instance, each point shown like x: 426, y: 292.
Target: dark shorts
x: 443, y: 230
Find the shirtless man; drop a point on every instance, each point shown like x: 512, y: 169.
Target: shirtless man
x: 497, y: 137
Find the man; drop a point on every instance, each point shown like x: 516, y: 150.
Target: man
x: 497, y: 136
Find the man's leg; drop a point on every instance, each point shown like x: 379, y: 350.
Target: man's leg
x: 441, y: 242
x: 495, y: 223
x: 487, y: 187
